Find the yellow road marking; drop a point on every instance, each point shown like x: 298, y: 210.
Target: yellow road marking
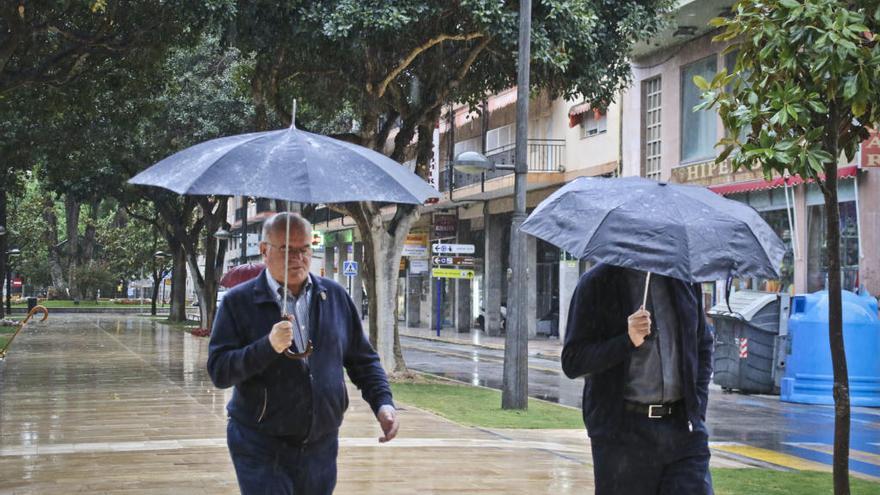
x: 858, y: 455
x: 773, y: 457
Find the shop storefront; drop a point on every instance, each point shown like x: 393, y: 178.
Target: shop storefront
x: 795, y: 209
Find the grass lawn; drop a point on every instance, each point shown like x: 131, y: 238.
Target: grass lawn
x: 5, y: 334
x: 477, y: 406
x: 765, y: 482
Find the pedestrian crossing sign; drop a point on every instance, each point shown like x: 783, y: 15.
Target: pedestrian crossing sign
x: 350, y: 268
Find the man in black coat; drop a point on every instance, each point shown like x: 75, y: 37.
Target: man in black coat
x: 646, y: 386
x: 284, y: 414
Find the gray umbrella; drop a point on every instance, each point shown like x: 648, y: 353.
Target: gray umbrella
x: 291, y: 165
x: 681, y: 231
x: 287, y: 164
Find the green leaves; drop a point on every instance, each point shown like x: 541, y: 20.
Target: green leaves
x: 807, y: 68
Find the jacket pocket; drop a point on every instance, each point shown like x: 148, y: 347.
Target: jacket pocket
x: 262, y: 412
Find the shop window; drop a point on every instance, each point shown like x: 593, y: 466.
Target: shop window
x: 593, y: 123
x: 817, y: 247
x: 698, y: 129
x: 778, y: 221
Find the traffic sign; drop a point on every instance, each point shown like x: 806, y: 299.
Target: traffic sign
x: 453, y: 248
x: 453, y: 260
x: 350, y: 268
x: 452, y: 273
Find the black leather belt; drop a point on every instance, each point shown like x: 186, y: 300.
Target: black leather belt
x: 654, y: 411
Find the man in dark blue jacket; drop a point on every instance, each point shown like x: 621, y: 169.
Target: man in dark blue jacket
x: 285, y: 411
x: 647, y: 371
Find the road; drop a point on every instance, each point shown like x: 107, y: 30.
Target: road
x: 761, y: 428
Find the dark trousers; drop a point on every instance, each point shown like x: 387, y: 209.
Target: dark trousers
x: 269, y: 465
x: 652, y: 457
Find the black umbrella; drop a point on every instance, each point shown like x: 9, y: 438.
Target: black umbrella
x: 681, y: 231
x: 287, y: 164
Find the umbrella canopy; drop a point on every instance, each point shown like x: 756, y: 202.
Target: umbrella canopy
x: 681, y: 231
x: 240, y: 274
x: 287, y: 164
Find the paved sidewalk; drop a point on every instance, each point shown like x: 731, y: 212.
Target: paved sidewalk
x: 107, y: 404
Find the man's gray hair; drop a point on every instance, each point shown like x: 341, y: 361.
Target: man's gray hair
x: 276, y: 223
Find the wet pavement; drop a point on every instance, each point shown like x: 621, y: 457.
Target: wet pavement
x: 748, y: 427
x: 117, y: 404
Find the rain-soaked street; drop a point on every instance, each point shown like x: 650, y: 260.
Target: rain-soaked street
x: 122, y: 404
x: 763, y: 428
x: 115, y: 404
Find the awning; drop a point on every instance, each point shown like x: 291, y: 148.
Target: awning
x: 760, y: 185
x: 576, y: 113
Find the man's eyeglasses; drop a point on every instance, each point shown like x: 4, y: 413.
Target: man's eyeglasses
x: 293, y: 252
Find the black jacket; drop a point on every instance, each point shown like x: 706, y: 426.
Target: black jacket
x: 597, y: 345
x: 292, y: 398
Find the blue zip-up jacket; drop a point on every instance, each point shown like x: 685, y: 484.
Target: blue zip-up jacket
x: 301, y: 400
x: 598, y: 347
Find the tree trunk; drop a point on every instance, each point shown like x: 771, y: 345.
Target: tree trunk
x: 155, y: 292
x: 178, y: 282
x: 3, y: 244
x: 382, y: 248
x: 213, y: 216
x: 835, y: 320
x: 71, y: 210
x: 50, y: 238
x: 90, y: 234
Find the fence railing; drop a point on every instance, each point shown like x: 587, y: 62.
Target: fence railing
x: 543, y: 155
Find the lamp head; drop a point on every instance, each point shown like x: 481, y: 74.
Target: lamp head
x: 471, y: 162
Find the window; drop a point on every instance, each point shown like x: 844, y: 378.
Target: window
x: 698, y: 129
x: 473, y: 144
x: 500, y: 137
x: 730, y: 65
x: 817, y: 249
x: 593, y: 123
x: 651, y: 118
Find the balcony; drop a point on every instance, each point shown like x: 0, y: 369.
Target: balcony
x: 543, y: 155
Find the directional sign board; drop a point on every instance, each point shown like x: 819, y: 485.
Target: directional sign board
x: 453, y: 248
x: 349, y: 268
x: 453, y: 260
x: 452, y: 273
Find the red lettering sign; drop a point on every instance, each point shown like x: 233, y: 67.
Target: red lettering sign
x: 871, y: 150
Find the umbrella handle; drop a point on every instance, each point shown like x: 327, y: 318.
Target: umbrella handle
x: 645, y: 297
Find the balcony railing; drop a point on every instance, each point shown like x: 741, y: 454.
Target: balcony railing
x: 543, y: 155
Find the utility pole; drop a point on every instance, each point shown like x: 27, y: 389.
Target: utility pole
x: 515, y: 389
x: 244, y: 232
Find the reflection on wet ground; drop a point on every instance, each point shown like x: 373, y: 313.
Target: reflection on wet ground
x: 107, y: 404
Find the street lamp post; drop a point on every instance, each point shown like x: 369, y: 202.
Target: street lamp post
x: 515, y: 388
x: 12, y: 253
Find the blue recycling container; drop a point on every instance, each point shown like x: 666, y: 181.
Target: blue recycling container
x: 808, y: 377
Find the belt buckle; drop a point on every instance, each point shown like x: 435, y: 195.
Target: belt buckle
x: 651, y: 411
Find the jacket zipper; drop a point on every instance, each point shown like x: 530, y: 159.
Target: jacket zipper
x: 265, y: 403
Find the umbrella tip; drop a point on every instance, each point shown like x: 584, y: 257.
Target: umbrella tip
x: 293, y: 115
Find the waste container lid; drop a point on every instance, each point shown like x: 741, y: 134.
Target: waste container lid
x: 746, y: 303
